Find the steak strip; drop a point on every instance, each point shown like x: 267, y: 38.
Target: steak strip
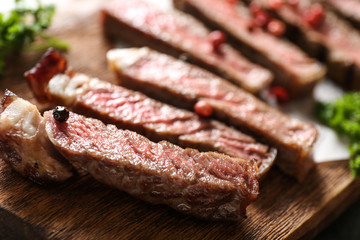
x: 178, y: 34
x: 24, y: 144
x: 347, y: 9
x: 330, y: 39
x: 135, y: 111
x: 292, y: 68
x: 182, y: 84
x: 206, y: 185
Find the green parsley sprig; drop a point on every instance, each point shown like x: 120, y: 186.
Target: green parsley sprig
x: 20, y: 27
x: 343, y: 116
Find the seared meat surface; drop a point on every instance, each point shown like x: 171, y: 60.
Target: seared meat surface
x: 292, y: 68
x: 135, y: 111
x: 206, y: 185
x: 348, y: 9
x: 182, y: 84
x: 326, y: 36
x: 179, y: 34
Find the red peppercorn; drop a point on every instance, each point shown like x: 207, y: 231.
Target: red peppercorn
x: 314, y: 15
x: 275, y: 4
x: 280, y: 93
x: 276, y: 27
x: 216, y: 38
x: 203, y: 108
x: 261, y: 19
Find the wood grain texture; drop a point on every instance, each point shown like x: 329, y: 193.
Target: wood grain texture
x: 82, y: 208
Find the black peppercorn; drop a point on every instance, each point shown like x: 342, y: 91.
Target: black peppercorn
x: 61, y: 114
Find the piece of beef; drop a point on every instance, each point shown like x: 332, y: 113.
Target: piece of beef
x: 179, y: 34
x: 24, y: 144
x: 324, y: 35
x: 137, y: 112
x: 348, y: 9
x: 292, y: 68
x: 206, y: 185
x: 171, y: 80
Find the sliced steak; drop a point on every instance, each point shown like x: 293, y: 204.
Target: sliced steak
x: 206, y: 185
x: 135, y: 111
x: 179, y: 34
x: 323, y: 35
x: 348, y: 9
x: 182, y: 84
x: 24, y: 144
x: 292, y: 68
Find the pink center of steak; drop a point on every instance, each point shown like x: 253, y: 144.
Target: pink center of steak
x: 238, y: 20
x: 130, y: 107
x: 82, y: 135
x: 182, y: 31
x: 228, y: 142
x: 349, y: 7
x: 192, y: 81
x: 331, y: 32
x: 165, y: 25
x: 202, y: 183
x: 122, y: 105
x: 197, y: 84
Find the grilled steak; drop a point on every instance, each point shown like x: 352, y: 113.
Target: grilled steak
x: 24, y: 144
x: 292, y: 68
x: 206, y: 185
x: 348, y: 9
x: 325, y: 36
x: 137, y: 112
x: 179, y: 34
x: 182, y: 84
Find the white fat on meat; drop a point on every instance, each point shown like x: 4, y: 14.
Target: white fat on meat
x: 24, y: 144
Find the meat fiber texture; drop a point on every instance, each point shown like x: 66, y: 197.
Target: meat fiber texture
x: 347, y: 9
x: 134, y: 111
x: 330, y: 39
x: 182, y: 84
x: 182, y: 36
x: 206, y: 185
x: 292, y: 68
x: 24, y: 144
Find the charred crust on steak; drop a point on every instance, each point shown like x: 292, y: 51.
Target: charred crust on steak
x: 52, y: 63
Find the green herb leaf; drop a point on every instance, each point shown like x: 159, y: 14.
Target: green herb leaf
x: 20, y: 27
x: 343, y: 116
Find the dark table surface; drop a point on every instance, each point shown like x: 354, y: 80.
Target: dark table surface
x: 347, y: 226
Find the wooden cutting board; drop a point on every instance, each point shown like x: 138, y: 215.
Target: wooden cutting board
x: 82, y: 208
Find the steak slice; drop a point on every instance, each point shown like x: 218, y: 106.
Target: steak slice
x: 135, y: 111
x: 179, y: 34
x: 206, y: 185
x: 348, y: 9
x: 292, y: 68
x: 326, y: 36
x: 24, y: 144
x: 182, y: 84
